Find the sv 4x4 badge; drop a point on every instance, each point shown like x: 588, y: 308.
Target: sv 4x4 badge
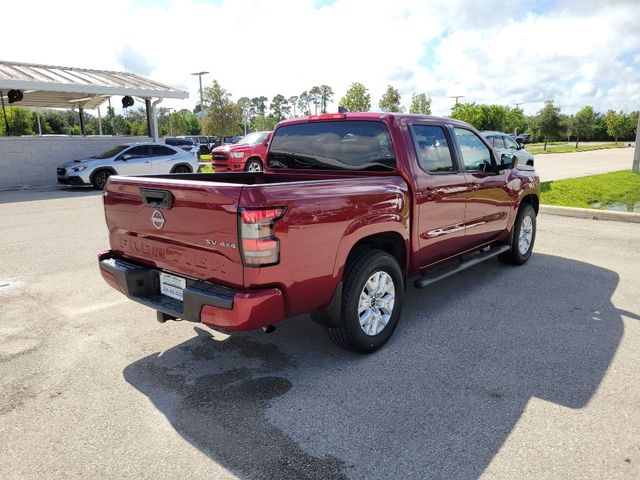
x: 220, y: 244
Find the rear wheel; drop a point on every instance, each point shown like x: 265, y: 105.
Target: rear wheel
x: 373, y: 294
x: 100, y: 179
x: 253, y: 165
x: 522, y: 237
x: 181, y: 169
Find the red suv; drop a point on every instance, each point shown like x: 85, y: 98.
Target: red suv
x: 247, y: 155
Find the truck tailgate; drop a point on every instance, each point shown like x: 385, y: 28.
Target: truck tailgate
x: 189, y: 228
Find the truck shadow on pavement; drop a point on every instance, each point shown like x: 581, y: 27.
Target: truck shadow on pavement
x: 437, y: 402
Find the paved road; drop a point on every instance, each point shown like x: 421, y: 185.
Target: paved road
x: 502, y: 372
x: 555, y: 166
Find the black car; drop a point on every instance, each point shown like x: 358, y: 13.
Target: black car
x: 523, y: 138
x: 185, y: 143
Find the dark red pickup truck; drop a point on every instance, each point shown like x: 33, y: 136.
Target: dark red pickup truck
x: 349, y: 208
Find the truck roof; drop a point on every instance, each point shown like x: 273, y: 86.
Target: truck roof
x: 369, y: 116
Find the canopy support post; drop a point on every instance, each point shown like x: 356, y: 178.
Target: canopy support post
x: 4, y: 112
x: 147, y: 104
x: 81, y: 113
x: 154, y: 118
x: 39, y: 125
x: 99, y: 122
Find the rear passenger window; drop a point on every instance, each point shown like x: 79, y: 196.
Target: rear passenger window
x: 498, y: 142
x: 510, y: 143
x: 432, y: 149
x: 160, y: 151
x: 476, y: 156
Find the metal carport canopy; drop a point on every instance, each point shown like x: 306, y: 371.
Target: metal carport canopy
x: 66, y: 87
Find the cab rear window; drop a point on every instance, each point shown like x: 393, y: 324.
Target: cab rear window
x: 333, y: 145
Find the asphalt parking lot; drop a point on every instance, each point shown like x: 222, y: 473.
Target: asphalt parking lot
x: 501, y: 372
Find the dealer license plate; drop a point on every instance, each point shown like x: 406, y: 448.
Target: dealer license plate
x: 172, y: 285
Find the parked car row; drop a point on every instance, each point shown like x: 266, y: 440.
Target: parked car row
x: 200, y: 145
x: 179, y: 155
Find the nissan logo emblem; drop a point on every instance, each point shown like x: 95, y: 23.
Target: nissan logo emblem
x: 157, y: 219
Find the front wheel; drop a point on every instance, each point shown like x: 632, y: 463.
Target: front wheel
x: 522, y: 237
x: 100, y: 179
x: 373, y: 295
x: 253, y: 165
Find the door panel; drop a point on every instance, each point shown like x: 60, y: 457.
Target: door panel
x: 161, y: 159
x: 440, y: 191
x: 488, y: 201
x: 137, y: 163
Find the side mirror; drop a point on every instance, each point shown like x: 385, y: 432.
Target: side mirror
x: 507, y: 161
x: 126, y: 157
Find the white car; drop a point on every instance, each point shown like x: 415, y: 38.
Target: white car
x: 127, y: 159
x: 505, y: 143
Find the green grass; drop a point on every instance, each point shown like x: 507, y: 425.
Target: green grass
x: 616, y: 187
x: 541, y: 144
x: 564, y: 148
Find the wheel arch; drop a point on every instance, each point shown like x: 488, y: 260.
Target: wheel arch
x: 182, y: 164
x: 391, y: 242
x: 531, y: 199
x: 254, y: 156
x: 97, y: 169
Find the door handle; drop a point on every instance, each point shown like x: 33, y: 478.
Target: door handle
x: 473, y: 187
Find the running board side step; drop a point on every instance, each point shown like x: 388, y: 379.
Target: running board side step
x: 425, y: 281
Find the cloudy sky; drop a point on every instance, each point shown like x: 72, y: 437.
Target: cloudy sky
x: 577, y: 52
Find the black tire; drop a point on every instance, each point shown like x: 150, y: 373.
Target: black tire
x: 181, y: 169
x: 516, y: 256
x: 100, y: 178
x: 253, y: 165
x: 361, y: 268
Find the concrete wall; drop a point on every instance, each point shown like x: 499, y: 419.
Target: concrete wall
x: 32, y: 161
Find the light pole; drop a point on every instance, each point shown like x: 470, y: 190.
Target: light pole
x: 636, y: 153
x: 456, y: 97
x: 199, y: 74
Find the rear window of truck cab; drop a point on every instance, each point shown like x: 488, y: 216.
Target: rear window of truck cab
x: 355, y: 145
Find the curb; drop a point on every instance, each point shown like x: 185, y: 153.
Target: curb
x: 590, y: 213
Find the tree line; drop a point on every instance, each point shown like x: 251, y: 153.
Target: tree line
x: 23, y: 121
x: 224, y: 117
x: 549, y: 123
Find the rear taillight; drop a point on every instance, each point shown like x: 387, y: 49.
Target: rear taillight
x: 260, y: 246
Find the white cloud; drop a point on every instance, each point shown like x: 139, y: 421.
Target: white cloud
x: 493, y: 51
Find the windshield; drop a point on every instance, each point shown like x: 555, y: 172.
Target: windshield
x: 333, y: 145
x: 254, y: 138
x: 112, y: 152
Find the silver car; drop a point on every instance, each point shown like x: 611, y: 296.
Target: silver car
x: 127, y: 159
x: 504, y: 143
